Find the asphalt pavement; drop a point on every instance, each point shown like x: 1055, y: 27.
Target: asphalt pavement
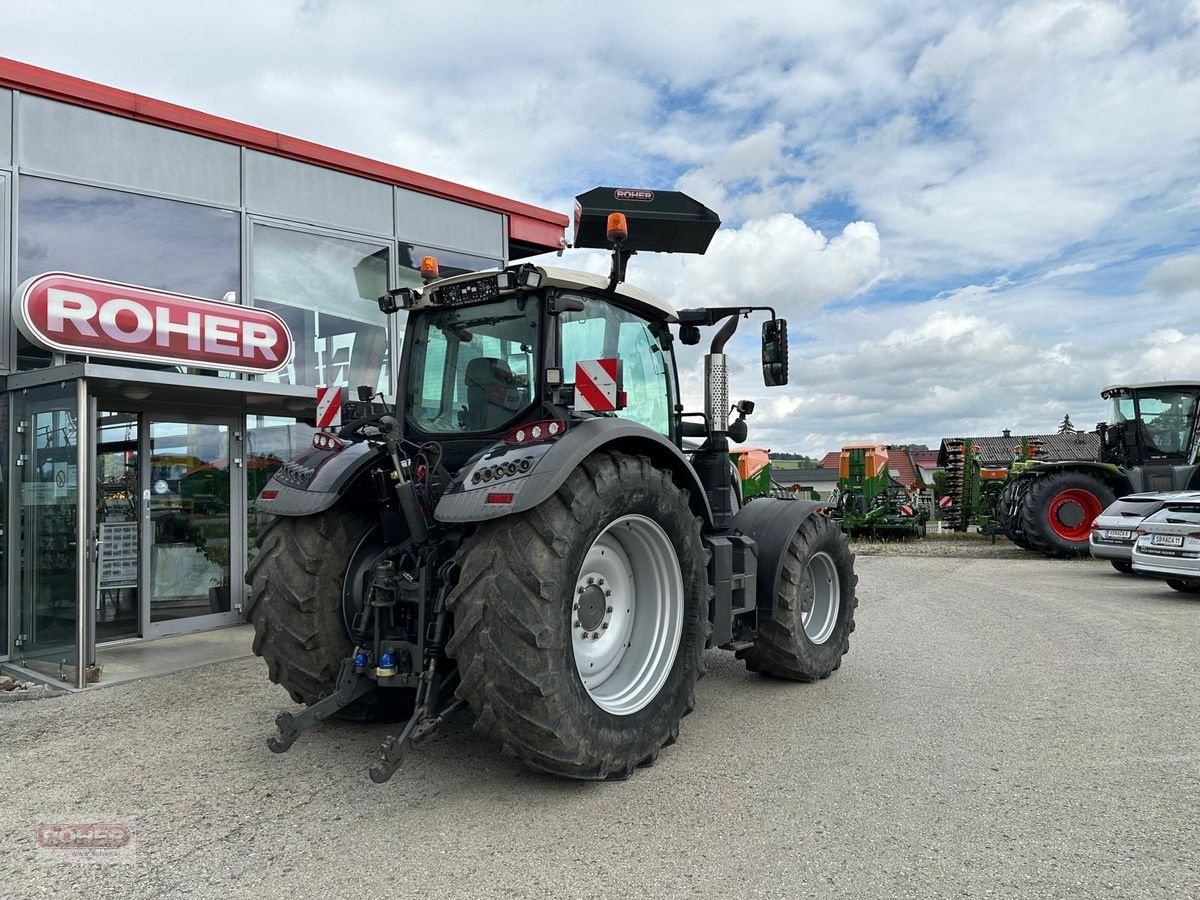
x: 1001, y: 728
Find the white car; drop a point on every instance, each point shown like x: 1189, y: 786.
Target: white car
x: 1168, y: 546
x: 1115, y: 530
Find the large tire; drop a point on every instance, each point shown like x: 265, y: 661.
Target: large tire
x: 1122, y: 565
x: 295, y: 602
x: 809, y: 632
x: 1058, y: 509
x: 514, y: 623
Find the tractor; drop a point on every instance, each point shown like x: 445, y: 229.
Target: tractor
x: 524, y: 534
x: 870, y: 501
x: 1150, y: 443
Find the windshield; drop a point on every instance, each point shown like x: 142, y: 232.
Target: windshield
x: 1179, y: 515
x: 471, y: 368
x: 1167, y: 417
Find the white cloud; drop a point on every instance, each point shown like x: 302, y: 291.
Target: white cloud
x: 1177, y: 276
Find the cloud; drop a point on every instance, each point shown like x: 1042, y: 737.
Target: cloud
x: 1176, y: 277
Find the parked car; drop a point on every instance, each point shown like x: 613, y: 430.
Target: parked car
x: 1168, y: 546
x: 1114, y: 531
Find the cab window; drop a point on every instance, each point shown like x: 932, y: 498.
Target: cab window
x: 603, y: 331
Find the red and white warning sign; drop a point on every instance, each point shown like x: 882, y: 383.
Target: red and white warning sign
x: 598, y: 385
x: 905, y: 509
x: 946, y: 502
x: 329, y: 407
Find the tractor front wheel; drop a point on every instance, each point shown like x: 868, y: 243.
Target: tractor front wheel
x: 809, y: 631
x: 1058, y: 509
x: 579, y: 626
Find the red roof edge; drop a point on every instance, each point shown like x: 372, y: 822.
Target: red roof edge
x: 528, y: 223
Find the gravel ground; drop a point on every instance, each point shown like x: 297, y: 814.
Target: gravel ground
x: 1002, y: 728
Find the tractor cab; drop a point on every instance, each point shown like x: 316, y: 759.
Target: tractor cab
x: 1150, y: 424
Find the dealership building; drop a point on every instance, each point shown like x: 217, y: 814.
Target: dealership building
x: 179, y: 286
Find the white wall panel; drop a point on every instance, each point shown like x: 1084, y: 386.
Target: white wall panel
x: 425, y: 219
x: 74, y: 142
x: 293, y: 190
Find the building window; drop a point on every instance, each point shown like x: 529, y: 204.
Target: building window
x: 326, y: 290
x: 148, y: 241
x: 449, y: 263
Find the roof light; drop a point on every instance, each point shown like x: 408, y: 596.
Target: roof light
x: 505, y: 280
x: 531, y: 276
x: 429, y: 268
x: 618, y: 230
x: 536, y: 432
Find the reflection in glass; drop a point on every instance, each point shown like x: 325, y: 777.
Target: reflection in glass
x: 147, y: 241
x: 326, y: 290
x: 117, y: 526
x: 189, y: 516
x: 270, y: 442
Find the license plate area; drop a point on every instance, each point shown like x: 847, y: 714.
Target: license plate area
x: 1167, y: 540
x: 1119, y: 534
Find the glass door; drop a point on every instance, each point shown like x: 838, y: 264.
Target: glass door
x: 188, y: 481
x: 118, y: 526
x: 50, y: 633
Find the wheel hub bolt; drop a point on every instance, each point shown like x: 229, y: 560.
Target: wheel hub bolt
x: 596, y: 636
x: 576, y: 606
x: 576, y: 623
x: 608, y: 593
x: 608, y: 610
x: 604, y: 625
x: 591, y: 580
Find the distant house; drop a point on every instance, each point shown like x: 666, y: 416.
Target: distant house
x: 804, y: 481
x: 831, y: 460
x: 999, y: 450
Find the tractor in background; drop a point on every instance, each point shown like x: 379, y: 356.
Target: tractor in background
x: 870, y: 501
x: 1150, y: 443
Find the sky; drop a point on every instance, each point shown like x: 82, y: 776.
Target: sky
x: 973, y: 215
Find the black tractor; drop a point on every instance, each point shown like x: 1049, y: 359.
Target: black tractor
x: 528, y: 533
x: 1150, y: 443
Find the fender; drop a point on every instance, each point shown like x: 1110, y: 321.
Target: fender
x: 1112, y: 475
x: 313, y: 480
x: 772, y: 522
x: 518, y: 477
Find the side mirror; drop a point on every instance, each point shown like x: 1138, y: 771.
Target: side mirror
x: 775, y: 352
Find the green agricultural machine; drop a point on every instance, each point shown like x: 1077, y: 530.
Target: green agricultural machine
x: 1149, y: 444
x: 870, y: 501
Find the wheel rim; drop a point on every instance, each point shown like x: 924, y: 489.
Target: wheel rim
x: 821, y: 599
x: 1071, y: 513
x: 627, y: 615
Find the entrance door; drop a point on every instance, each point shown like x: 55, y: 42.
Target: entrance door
x: 118, y: 526
x: 189, y: 476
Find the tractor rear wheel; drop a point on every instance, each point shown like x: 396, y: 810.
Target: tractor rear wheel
x: 1123, y: 566
x: 809, y: 632
x: 1058, y: 509
x: 579, y: 626
x: 297, y: 581
x: 1009, y: 516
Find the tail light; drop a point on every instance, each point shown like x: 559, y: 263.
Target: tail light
x: 1096, y: 524
x: 536, y: 432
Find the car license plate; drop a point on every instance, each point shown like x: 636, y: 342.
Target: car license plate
x: 1168, y: 540
x: 1119, y: 534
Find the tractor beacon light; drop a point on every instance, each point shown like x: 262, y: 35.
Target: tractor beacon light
x: 618, y: 230
x: 429, y: 268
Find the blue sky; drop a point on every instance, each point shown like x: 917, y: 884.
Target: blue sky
x: 973, y: 214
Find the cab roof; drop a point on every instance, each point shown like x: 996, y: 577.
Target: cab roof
x: 571, y: 279
x: 1147, y: 385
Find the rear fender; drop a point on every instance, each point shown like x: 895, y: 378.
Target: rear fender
x: 1106, y: 472
x: 314, y: 480
x: 515, y: 478
x: 772, y: 522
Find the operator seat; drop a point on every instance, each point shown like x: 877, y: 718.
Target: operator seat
x: 489, y: 386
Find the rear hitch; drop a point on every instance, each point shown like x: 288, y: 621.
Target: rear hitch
x: 395, y: 748
x: 350, y: 686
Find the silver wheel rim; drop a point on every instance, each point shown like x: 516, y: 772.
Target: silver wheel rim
x: 627, y: 615
x: 822, y: 598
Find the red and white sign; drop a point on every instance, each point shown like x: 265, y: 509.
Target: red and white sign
x: 597, y: 385
x: 74, y: 314
x: 329, y: 407
x: 905, y: 509
x: 946, y: 502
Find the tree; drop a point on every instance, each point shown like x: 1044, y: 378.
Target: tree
x: 940, y: 486
x: 1066, y: 427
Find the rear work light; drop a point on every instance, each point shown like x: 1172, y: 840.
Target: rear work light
x: 323, y: 440
x: 536, y: 432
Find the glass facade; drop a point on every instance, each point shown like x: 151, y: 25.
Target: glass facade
x: 270, y: 442
x: 326, y: 289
